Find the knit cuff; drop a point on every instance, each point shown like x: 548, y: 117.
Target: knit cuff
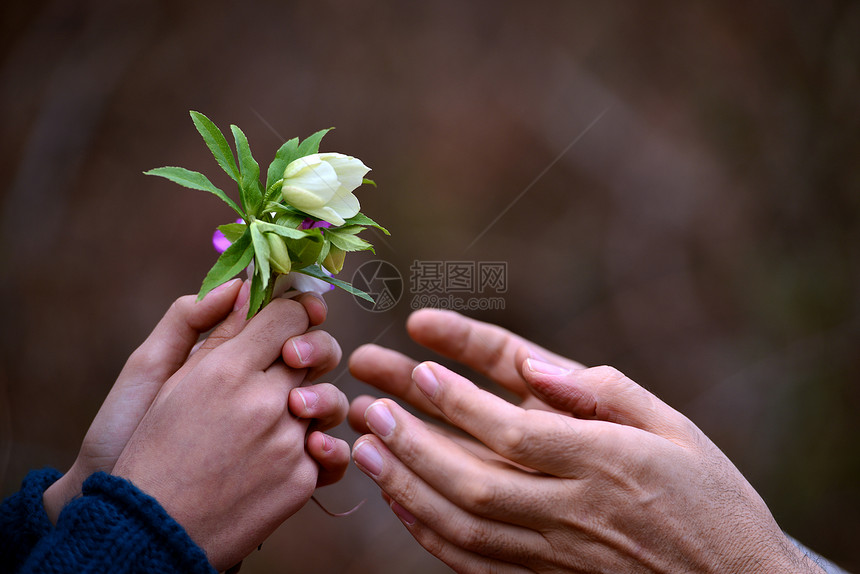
x: 145, y: 510
x: 23, y: 520
x: 114, y: 527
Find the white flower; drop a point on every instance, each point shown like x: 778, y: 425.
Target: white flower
x: 300, y: 283
x: 321, y: 185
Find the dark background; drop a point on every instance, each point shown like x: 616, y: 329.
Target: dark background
x: 702, y: 235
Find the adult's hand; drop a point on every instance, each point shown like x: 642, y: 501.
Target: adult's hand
x: 487, y: 349
x: 620, y: 482
x: 219, y: 448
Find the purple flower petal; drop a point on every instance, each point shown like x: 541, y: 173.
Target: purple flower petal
x: 220, y: 242
x: 313, y: 224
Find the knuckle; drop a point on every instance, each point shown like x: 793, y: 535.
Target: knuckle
x: 607, y: 375
x: 280, y: 306
x: 143, y: 357
x: 513, y: 441
x: 264, y: 407
x: 181, y: 305
x: 479, y: 496
x: 473, y: 535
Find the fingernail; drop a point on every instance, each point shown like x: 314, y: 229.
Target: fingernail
x: 223, y: 287
x: 242, y: 298
x: 303, y: 349
x: 402, y: 513
x: 379, y: 419
x: 328, y: 443
x: 545, y: 368
x: 425, y: 379
x: 536, y: 354
x: 309, y: 398
x: 367, y: 457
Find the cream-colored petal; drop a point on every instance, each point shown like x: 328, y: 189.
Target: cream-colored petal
x: 326, y: 213
x: 318, y: 180
x: 344, y: 203
x: 303, y: 163
x: 301, y: 198
x: 350, y: 170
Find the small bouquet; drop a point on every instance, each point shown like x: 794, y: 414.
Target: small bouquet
x: 303, y: 220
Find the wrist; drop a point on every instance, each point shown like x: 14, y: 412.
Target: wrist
x: 59, y: 494
x: 783, y: 556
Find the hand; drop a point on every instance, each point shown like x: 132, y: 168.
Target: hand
x: 487, y: 349
x: 624, y: 484
x: 219, y: 449
x: 324, y: 404
x: 164, y: 352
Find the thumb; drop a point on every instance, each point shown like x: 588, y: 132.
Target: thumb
x: 605, y: 393
x: 169, y: 344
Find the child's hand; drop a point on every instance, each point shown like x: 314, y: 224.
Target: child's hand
x: 164, y: 352
x: 219, y: 448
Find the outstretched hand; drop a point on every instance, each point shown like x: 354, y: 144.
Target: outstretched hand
x: 487, y: 349
x: 613, y: 480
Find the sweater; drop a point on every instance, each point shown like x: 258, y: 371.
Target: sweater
x: 112, y: 527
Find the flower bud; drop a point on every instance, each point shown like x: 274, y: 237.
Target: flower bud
x: 334, y: 260
x: 321, y: 185
x: 279, y: 257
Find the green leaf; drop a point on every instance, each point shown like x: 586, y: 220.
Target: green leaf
x: 286, y: 154
x: 261, y: 251
x: 259, y: 296
x: 305, y: 251
x: 217, y: 144
x: 315, y: 271
x: 348, y: 241
x: 289, y: 219
x: 234, y: 259
x: 249, y: 174
x: 368, y: 181
x: 194, y: 180
x: 288, y: 232
x: 362, y: 219
x: 232, y: 231
x: 311, y: 144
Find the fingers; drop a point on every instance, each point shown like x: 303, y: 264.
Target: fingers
x: 548, y: 442
x: 324, y: 403
x: 169, y: 344
x: 315, y: 306
x: 332, y: 456
x: 261, y: 342
x: 604, y: 393
x: 403, y: 441
x: 316, y: 351
x: 457, y: 558
x: 355, y: 416
x: 463, y: 541
x: 486, y: 348
x: 357, y: 421
x: 391, y: 373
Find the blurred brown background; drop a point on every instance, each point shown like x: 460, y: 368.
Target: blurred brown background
x: 702, y: 235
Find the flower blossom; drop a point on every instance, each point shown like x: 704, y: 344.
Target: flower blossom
x: 321, y: 185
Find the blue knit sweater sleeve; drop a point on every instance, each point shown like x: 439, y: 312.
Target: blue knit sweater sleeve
x: 23, y: 521
x: 114, y: 527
